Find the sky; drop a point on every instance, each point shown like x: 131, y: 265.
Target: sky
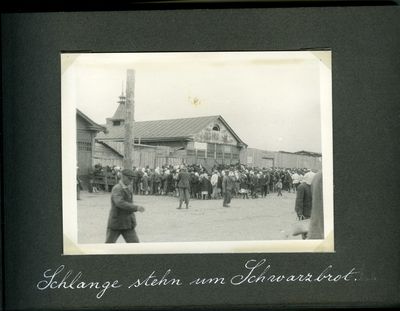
x: 270, y: 99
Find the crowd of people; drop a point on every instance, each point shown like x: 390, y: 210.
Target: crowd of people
x: 249, y: 182
x: 196, y: 182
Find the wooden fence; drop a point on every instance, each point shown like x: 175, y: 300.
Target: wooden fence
x: 141, y: 158
x: 157, y: 156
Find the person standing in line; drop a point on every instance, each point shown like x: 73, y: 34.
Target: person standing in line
x: 145, y: 184
x: 171, y: 183
x: 237, y: 182
x: 192, y: 182
x: 219, y: 186
x: 288, y: 180
x: 263, y: 184
x: 304, y: 200
x: 91, y: 180
x: 309, y: 176
x: 157, y: 181
x: 267, y: 182
x: 210, y: 187
x: 316, y: 230
x: 183, y: 186
x: 272, y: 182
x: 279, y: 187
x: 135, y: 189
x: 214, y: 184
x: 296, y: 180
x: 204, y: 185
x: 78, y: 185
x: 151, y: 181
x: 166, y: 180
x: 122, y: 220
x: 228, y: 184
x: 244, y: 186
x: 253, y: 181
x: 163, y: 179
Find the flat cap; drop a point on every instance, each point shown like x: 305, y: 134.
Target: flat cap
x: 127, y: 172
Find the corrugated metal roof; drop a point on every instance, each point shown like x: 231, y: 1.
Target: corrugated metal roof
x: 160, y: 129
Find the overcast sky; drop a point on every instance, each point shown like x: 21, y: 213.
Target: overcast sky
x: 270, y: 99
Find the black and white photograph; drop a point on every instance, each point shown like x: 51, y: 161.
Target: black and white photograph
x: 197, y: 152
x: 227, y: 156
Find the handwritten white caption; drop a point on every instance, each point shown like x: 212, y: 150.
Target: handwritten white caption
x: 255, y: 272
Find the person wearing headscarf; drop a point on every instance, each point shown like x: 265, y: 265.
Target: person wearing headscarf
x: 295, y: 180
x: 204, y: 185
x: 309, y: 176
x: 214, y: 184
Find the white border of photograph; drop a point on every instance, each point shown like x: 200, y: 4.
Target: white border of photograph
x: 69, y: 195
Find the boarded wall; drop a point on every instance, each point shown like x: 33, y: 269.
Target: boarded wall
x: 106, y: 156
x: 84, y: 145
x: 262, y: 158
x: 158, y: 156
x: 143, y: 156
x: 257, y: 157
x: 290, y: 160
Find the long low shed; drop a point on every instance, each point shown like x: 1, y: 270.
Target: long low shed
x: 262, y: 158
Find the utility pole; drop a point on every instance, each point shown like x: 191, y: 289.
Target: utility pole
x: 129, y: 119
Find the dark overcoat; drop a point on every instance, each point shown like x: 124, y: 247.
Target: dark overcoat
x: 183, y: 180
x: 317, y: 212
x: 303, y: 200
x: 228, y: 183
x: 122, y: 215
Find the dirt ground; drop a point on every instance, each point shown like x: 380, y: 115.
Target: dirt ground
x: 267, y: 218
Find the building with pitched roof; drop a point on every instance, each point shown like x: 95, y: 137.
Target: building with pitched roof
x: 207, y: 140
x: 204, y: 140
x: 86, y: 131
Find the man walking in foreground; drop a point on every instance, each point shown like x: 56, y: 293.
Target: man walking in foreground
x: 122, y: 219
